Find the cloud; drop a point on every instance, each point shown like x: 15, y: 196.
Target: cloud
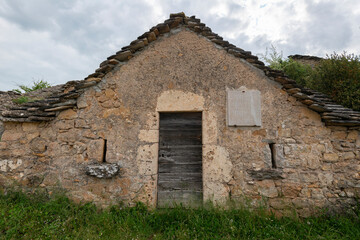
x: 64, y: 40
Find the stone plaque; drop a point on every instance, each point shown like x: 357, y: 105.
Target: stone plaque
x: 243, y: 108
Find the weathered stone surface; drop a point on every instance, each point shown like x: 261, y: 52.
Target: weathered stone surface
x: 104, y: 170
x: 151, y: 37
x: 68, y: 114
x: 38, y: 145
x: 331, y: 157
x: 163, y: 28
x: 11, y: 136
x: 267, y: 189
x: 95, y: 150
x: 137, y: 45
x: 180, y: 14
x: 123, y: 55
x: 71, y: 102
x: 266, y: 174
x: 57, y: 108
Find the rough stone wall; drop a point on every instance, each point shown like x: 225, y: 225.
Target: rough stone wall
x: 316, y: 165
x: 312, y: 61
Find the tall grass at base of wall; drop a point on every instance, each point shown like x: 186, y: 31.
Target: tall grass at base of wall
x: 40, y: 217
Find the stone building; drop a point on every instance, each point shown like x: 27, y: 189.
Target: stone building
x: 182, y: 115
x: 312, y: 61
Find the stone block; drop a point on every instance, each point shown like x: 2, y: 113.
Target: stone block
x: 81, y: 102
x: 32, y: 135
x: 331, y: 157
x: 313, y: 162
x: 65, y: 124
x: 339, y: 134
x: 95, y: 150
x: 210, y: 131
x: 137, y: 45
x: 317, y: 193
x: 267, y: 188
x: 11, y: 136
x: 217, y: 166
x: 70, y: 136
x: 102, y: 171
x: 291, y: 190
x: 301, y: 203
x: 353, y: 135
x: 30, y: 127
x: 151, y: 37
x: 348, y: 155
x: 147, y: 159
x: 216, y: 192
x: 122, y: 112
x: 81, y: 123
x: 123, y: 55
x: 67, y: 114
x: 3, y: 145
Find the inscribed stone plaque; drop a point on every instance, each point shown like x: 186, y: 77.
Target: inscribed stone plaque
x: 244, y: 108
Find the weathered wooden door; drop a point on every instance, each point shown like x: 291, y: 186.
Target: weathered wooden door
x: 180, y: 159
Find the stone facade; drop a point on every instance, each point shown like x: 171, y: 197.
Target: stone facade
x: 293, y: 160
x: 312, y: 61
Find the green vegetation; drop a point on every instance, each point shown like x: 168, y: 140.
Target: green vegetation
x: 21, y: 100
x: 39, y: 217
x: 40, y: 84
x: 338, y: 75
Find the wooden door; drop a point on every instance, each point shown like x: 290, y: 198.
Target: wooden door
x: 180, y: 159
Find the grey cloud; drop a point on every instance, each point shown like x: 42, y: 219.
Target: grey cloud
x: 328, y: 29
x: 90, y: 31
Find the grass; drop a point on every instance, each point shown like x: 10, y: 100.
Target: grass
x: 40, y: 217
x: 21, y: 100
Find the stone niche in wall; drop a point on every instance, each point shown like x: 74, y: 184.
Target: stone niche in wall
x: 243, y: 108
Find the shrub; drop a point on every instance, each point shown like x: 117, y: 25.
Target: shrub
x: 40, y: 84
x: 339, y: 77
x: 301, y: 73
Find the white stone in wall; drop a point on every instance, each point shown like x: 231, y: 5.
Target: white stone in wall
x: 243, y: 108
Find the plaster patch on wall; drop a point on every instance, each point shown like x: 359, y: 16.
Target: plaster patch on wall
x: 176, y: 101
x: 217, y: 173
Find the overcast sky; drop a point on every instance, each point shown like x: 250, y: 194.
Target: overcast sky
x: 65, y: 40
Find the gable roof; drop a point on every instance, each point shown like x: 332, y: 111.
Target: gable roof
x: 64, y: 96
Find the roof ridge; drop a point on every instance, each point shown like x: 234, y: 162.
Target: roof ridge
x: 331, y: 112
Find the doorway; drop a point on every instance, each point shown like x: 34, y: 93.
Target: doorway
x: 180, y: 159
